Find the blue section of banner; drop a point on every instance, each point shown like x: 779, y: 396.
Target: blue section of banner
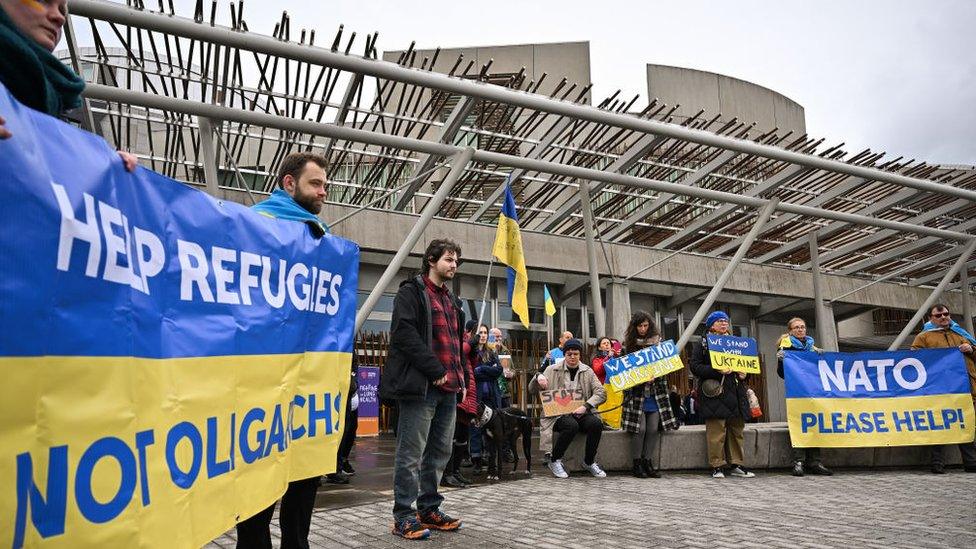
x: 875, y: 374
x: 745, y: 346
x: 150, y: 267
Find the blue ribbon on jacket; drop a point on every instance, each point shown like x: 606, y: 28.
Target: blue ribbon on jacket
x: 954, y: 326
x: 281, y: 205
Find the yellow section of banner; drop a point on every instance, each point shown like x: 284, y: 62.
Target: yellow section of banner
x: 872, y: 422
x: 736, y: 363
x: 130, y: 452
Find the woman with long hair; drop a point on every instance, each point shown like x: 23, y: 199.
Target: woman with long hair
x: 487, y: 370
x: 647, y: 407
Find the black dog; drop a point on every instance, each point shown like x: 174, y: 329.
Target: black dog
x: 504, y: 425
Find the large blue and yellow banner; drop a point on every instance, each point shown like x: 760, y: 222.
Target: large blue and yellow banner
x: 170, y: 361
x: 897, y: 398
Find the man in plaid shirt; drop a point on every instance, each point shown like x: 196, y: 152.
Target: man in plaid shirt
x: 424, y: 374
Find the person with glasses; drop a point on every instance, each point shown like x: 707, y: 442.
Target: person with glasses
x: 796, y: 339
x: 942, y: 332
x: 571, y: 373
x: 724, y: 405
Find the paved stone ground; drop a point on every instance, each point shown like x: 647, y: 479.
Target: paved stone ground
x: 879, y: 508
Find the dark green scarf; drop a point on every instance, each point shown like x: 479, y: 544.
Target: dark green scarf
x: 34, y: 75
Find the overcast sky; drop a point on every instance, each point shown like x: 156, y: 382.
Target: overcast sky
x: 895, y: 76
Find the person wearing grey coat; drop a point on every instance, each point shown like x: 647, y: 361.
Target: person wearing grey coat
x: 571, y: 373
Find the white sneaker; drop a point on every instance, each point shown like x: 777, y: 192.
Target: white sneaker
x: 717, y: 473
x: 558, y: 471
x: 738, y: 471
x: 595, y: 470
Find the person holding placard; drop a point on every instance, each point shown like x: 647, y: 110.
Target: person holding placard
x: 724, y: 405
x: 647, y: 407
x: 571, y: 374
x: 611, y: 409
x: 943, y: 332
x: 804, y: 459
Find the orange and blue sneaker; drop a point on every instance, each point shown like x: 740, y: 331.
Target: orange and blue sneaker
x: 436, y: 520
x: 410, y: 528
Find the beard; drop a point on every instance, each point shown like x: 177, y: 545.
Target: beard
x: 309, y: 202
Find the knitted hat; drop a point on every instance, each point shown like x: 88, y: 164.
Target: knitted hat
x: 573, y: 344
x: 714, y: 317
x: 470, y: 324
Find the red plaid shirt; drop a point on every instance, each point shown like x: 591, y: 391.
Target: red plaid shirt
x: 445, y: 339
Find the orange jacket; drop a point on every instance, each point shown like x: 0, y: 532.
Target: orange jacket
x: 938, y: 339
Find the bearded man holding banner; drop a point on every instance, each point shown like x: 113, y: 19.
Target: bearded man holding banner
x: 299, y: 197
x: 943, y: 332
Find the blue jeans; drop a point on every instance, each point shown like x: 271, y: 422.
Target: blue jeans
x: 425, y: 433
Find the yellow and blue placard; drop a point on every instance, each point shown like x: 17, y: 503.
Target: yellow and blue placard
x: 508, y: 250
x: 170, y: 361
x: 739, y: 354
x: 897, y: 398
x: 643, y: 365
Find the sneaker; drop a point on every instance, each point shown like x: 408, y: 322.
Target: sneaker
x: 436, y: 520
x: 819, y: 469
x: 594, y: 469
x: 410, y: 528
x: 337, y: 478
x: 558, y: 471
x: 347, y: 468
x: 717, y: 473
x: 741, y: 472
x: 797, y: 468
x: 451, y: 481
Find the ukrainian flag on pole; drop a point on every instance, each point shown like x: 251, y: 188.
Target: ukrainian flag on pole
x: 550, y: 304
x: 508, y: 250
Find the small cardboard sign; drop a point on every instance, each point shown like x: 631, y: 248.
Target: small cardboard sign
x: 559, y: 402
x: 739, y: 354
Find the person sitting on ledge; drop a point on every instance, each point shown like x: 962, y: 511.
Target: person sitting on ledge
x: 571, y: 373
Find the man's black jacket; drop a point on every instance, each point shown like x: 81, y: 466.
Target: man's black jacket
x: 411, y: 366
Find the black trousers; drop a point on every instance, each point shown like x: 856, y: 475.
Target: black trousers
x: 295, y: 518
x: 348, y: 437
x: 566, y: 427
x: 460, y: 445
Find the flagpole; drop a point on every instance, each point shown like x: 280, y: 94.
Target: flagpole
x: 484, y: 298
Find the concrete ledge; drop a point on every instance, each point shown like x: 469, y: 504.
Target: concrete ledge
x: 767, y: 446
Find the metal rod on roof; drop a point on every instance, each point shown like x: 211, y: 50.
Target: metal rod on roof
x: 967, y: 308
x: 723, y: 279
x: 110, y: 93
x: 934, y: 296
x: 596, y: 301
x: 458, y: 163
x: 108, y: 11
x: 824, y: 312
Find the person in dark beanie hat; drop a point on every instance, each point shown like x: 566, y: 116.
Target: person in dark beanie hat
x: 724, y: 405
x: 571, y: 373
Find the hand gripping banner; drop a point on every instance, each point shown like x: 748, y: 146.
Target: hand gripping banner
x: 170, y: 361
x: 898, y: 398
